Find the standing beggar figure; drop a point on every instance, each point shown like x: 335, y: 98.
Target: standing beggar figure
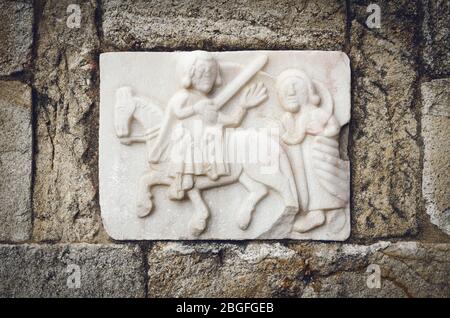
x: 311, y: 134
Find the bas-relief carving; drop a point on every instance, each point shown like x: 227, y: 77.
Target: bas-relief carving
x: 194, y: 145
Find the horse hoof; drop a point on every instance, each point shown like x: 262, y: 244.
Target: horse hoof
x: 197, y: 227
x: 143, y: 210
x: 243, y: 220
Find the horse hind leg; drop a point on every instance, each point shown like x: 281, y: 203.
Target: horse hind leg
x: 283, y: 184
x: 257, y: 192
x: 279, y: 182
x: 201, y: 212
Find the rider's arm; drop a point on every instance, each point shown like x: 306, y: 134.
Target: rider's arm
x: 232, y: 120
x: 180, y: 107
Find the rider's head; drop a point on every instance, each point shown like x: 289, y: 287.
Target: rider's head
x: 295, y: 89
x: 199, y: 70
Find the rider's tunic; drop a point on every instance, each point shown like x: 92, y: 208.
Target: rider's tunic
x: 195, y: 147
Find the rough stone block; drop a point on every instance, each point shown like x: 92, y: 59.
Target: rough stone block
x: 77, y: 270
x: 15, y: 161
x: 407, y: 269
x: 213, y: 24
x: 16, y: 35
x: 384, y: 148
x: 436, y: 138
x: 65, y: 193
x: 436, y: 34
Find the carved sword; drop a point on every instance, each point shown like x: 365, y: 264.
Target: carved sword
x: 222, y: 97
x: 239, y: 81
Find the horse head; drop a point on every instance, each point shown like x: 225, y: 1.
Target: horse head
x: 129, y: 109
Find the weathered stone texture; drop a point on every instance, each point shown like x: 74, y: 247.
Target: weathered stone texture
x: 16, y: 35
x: 220, y: 25
x: 66, y: 187
x: 407, y: 269
x: 15, y: 161
x: 384, y: 150
x: 436, y: 137
x: 436, y: 33
x: 47, y: 271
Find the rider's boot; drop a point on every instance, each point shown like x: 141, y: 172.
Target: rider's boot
x: 175, y: 191
x: 212, y: 175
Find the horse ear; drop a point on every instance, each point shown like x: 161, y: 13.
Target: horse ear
x: 124, y: 108
x: 124, y: 96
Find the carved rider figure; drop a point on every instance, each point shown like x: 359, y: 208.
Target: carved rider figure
x: 192, y: 131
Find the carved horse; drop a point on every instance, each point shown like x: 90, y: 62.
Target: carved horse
x: 250, y: 175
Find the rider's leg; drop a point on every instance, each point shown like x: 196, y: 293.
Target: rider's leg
x: 257, y: 192
x: 201, y: 212
x: 175, y: 190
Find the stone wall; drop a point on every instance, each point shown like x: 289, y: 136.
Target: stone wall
x: 398, y: 144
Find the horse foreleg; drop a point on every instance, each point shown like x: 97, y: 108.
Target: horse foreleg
x: 257, y: 192
x: 201, y: 212
x: 144, y: 197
